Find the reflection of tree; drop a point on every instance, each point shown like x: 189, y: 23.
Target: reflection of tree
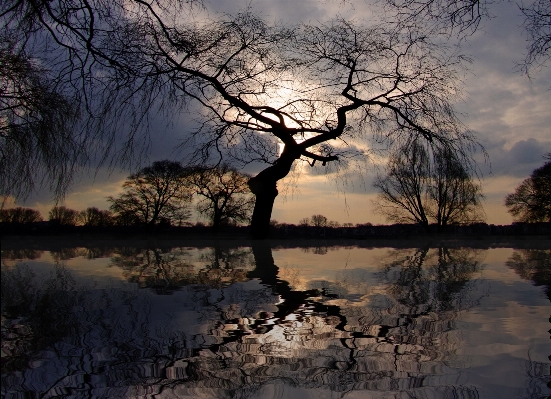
x: 432, y: 280
x: 14, y: 254
x: 239, y: 338
x: 167, y: 270
x: 533, y: 264
x: 34, y: 313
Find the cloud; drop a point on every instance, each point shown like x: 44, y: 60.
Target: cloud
x: 519, y: 160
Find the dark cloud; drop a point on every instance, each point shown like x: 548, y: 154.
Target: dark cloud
x: 519, y: 161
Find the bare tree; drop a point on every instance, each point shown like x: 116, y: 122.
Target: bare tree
x: 425, y: 187
x: 456, y: 197
x: 538, y: 26
x: 318, y: 221
x: 403, y: 190
x: 304, y: 222
x: 224, y: 194
x: 155, y: 193
x: 465, y: 16
x: 267, y: 93
x: 63, y: 216
x: 92, y: 216
x: 37, y: 143
x: 531, y: 201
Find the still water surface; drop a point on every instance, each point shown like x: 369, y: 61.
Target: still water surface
x: 229, y: 321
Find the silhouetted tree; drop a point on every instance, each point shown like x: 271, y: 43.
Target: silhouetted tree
x: 304, y: 222
x: 464, y: 17
x: 224, y: 195
x: 268, y: 93
x: 531, y: 201
x: 92, y: 216
x: 37, y: 140
x: 154, y: 193
x: 424, y: 186
x: 63, y: 216
x: 318, y: 221
x: 20, y: 215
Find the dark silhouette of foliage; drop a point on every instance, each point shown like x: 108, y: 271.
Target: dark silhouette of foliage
x: 224, y: 195
x: 154, y: 194
x: 531, y: 201
x: 428, y: 186
x: 20, y: 215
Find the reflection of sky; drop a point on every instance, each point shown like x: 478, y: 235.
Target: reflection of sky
x: 508, y: 112
x: 501, y: 328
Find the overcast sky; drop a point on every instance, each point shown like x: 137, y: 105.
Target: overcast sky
x: 509, y: 113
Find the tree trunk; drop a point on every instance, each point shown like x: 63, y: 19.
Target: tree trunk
x: 265, y: 192
x: 216, y: 220
x: 264, y: 187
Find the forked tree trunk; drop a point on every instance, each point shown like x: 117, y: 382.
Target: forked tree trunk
x: 264, y: 187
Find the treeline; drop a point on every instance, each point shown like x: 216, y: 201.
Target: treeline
x: 160, y: 197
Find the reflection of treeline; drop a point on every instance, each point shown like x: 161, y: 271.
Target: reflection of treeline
x: 534, y: 265
x: 32, y: 313
x: 166, y: 270
x: 406, y: 230
x: 236, y: 337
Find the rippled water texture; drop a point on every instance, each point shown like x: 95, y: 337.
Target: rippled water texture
x: 276, y: 321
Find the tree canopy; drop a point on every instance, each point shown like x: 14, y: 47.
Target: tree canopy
x: 531, y: 201
x: 153, y: 194
x: 224, y: 195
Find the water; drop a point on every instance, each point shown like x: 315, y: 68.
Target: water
x: 276, y: 321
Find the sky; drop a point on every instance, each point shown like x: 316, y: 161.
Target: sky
x: 507, y: 111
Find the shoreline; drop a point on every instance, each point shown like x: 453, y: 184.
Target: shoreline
x: 47, y: 242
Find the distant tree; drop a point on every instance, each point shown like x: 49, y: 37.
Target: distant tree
x: 20, y: 215
x: 63, y: 216
x: 425, y: 187
x: 318, y: 221
x: 531, y: 201
x: 304, y: 222
x: 224, y: 194
x: 456, y: 198
x: 92, y: 216
x: 154, y: 193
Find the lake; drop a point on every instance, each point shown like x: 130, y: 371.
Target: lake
x: 276, y: 320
